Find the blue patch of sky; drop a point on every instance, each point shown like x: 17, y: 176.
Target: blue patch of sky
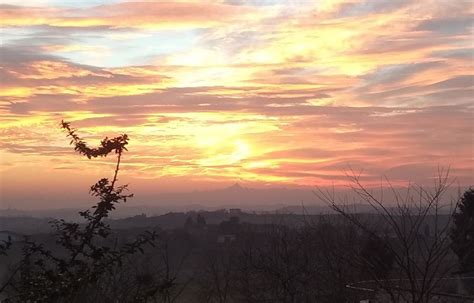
x: 367, y: 7
x: 60, y: 3
x: 254, y: 2
x: 11, y: 34
x: 131, y: 48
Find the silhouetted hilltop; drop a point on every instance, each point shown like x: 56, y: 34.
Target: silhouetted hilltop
x: 237, y: 196
x: 287, y: 200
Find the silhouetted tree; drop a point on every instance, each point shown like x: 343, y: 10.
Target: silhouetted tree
x: 420, y: 264
x: 5, y: 246
x: 218, y: 274
x: 462, y: 233
x: 189, y: 222
x: 200, y: 220
x: 377, y: 257
x: 333, y: 250
x: 83, y: 256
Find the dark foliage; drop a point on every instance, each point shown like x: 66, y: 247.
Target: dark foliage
x: 421, y: 264
x: 378, y: 258
x: 5, y: 245
x: 462, y: 233
x: 107, y: 145
x: 82, y: 256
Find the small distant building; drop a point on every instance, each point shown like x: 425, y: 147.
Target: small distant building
x: 235, y: 212
x: 231, y: 226
x: 426, y: 231
x: 234, y: 220
x: 221, y: 239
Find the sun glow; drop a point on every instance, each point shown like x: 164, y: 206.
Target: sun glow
x: 221, y: 91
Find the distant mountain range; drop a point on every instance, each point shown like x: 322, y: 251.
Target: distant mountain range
x: 235, y: 196
x: 296, y: 201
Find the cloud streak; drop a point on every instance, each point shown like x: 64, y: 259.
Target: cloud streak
x: 265, y: 93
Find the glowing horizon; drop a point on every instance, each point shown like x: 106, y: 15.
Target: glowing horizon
x: 266, y: 93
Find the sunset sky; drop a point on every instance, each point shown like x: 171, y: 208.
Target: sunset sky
x: 264, y: 93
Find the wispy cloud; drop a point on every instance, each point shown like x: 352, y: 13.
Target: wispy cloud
x: 269, y: 92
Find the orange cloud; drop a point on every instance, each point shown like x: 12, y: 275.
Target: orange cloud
x: 278, y: 94
x: 129, y: 14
